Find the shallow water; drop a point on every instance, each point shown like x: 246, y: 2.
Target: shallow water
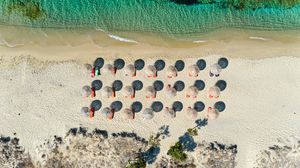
x: 151, y: 16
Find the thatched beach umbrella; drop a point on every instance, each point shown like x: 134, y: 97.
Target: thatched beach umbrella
x: 179, y: 65
x: 221, y: 84
x: 214, y: 92
x: 116, y: 86
x: 107, y: 92
x: 150, y: 92
x: 169, y: 112
x: 179, y: 86
x: 192, y: 92
x: 118, y: 64
x: 159, y: 65
x: 157, y: 106
x: 191, y: 113
x: 177, y: 106
x: 193, y: 71
x: 107, y: 69
x: 171, y: 71
x: 199, y: 106
x: 223, y: 62
x: 220, y: 106
x: 128, y: 113
x: 201, y: 64
x: 130, y: 70
x: 212, y: 113
x: 148, y: 114
x: 215, y: 70
x: 158, y: 86
x: 85, y: 111
x: 136, y: 106
x: 199, y: 84
x: 137, y: 85
x: 105, y: 111
x: 128, y: 91
x: 150, y: 71
x: 86, y: 91
x: 139, y: 64
x: 88, y: 68
x: 171, y: 91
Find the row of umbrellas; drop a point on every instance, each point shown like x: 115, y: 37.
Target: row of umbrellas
x: 99, y: 67
x: 156, y: 106
x: 151, y: 91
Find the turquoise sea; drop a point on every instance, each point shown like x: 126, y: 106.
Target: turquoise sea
x: 150, y: 16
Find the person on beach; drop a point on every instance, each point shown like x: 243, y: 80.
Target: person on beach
x: 192, y: 92
x: 151, y: 71
x: 193, y: 71
x: 130, y: 70
x: 171, y: 72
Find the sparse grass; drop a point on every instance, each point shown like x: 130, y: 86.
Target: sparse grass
x: 29, y: 8
x: 177, y: 153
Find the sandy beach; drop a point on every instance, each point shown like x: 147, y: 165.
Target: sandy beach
x: 41, y: 92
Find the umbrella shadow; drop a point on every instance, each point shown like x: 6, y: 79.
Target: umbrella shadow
x: 187, y: 142
x: 151, y: 154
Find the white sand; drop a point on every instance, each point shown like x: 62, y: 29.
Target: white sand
x: 261, y: 97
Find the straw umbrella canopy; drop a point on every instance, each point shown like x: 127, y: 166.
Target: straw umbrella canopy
x: 221, y: 84
x: 108, y: 68
x: 179, y: 65
x: 137, y: 85
x: 171, y: 71
x: 150, y: 92
x: 128, y: 113
x: 116, y: 106
x: 157, y: 106
x: 169, y: 112
x: 212, y: 113
x: 201, y: 64
x: 215, y: 69
x: 179, y: 86
x: 128, y: 91
x: 148, y: 114
x: 193, y: 70
x: 220, y: 106
x: 151, y: 71
x: 136, y: 107
x: 192, y: 91
x: 199, y: 106
x: 96, y: 104
x: 88, y: 67
x: 223, y: 62
x: 119, y: 64
x: 105, y: 111
x: 177, y: 106
x: 214, y: 92
x: 171, y: 91
x: 86, y: 91
x: 107, y: 92
x: 97, y: 84
x: 129, y: 70
x: 99, y: 62
x: 139, y: 64
x: 191, y: 113
x: 85, y: 111
x: 199, y: 84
